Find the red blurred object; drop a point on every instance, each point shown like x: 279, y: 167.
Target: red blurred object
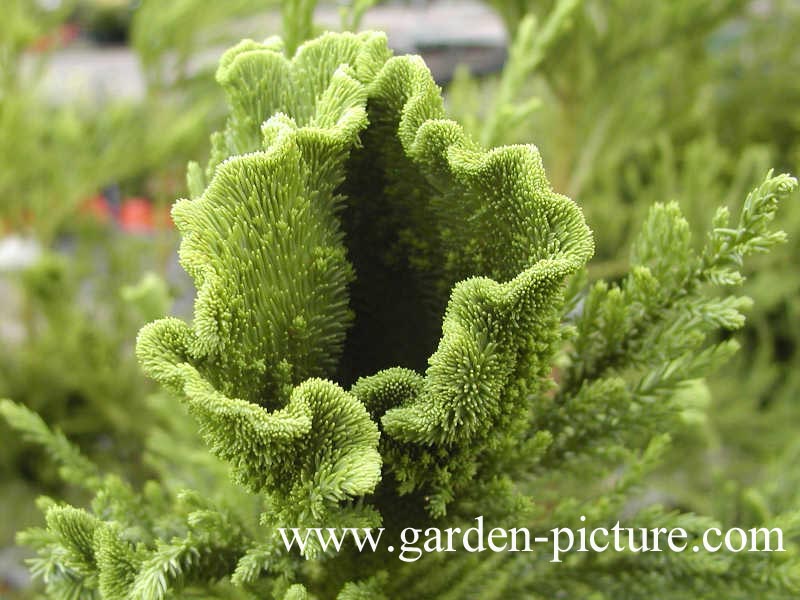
x: 70, y: 32
x: 59, y: 37
x: 136, y: 215
x: 97, y: 207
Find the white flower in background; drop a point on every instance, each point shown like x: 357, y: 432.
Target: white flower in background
x: 18, y: 252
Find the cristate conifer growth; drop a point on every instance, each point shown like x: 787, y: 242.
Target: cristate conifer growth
x: 382, y: 336
x: 345, y: 129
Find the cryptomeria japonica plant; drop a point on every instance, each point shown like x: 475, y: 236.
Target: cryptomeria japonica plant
x: 391, y: 330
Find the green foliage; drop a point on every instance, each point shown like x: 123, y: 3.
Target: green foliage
x: 298, y: 22
x: 67, y: 336
x: 692, y: 105
x: 72, y: 352
x: 75, y: 468
x: 70, y: 358
x: 391, y: 329
x: 166, y: 36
